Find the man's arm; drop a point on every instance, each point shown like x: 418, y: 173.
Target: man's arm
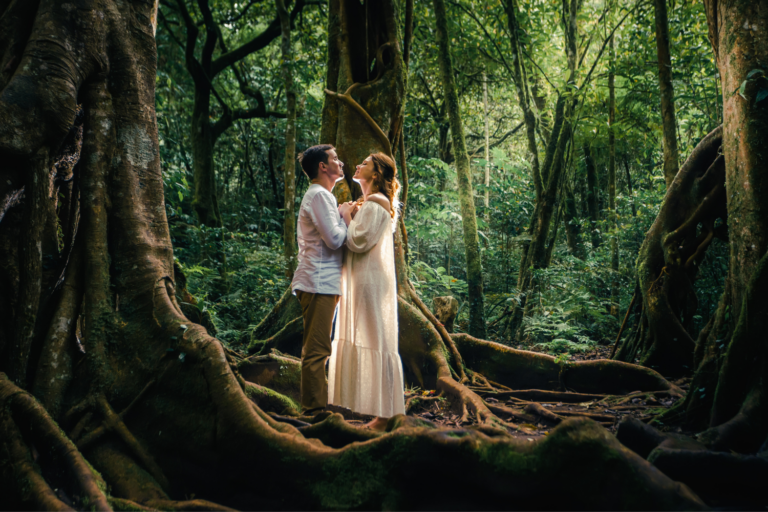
x: 329, y: 223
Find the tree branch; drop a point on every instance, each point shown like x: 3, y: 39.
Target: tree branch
x: 193, y: 66
x: 257, y: 43
x: 211, y: 36
x: 501, y: 139
x: 498, y: 50
x: 242, y: 12
x: 350, y: 101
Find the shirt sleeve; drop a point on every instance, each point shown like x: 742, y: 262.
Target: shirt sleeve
x: 330, y: 225
x: 365, y: 230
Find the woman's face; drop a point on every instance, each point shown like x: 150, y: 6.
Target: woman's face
x: 365, y: 171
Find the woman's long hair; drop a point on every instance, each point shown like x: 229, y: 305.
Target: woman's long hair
x: 385, y: 180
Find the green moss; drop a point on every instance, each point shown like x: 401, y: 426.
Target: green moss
x: 272, y: 400
x: 358, y: 477
x: 124, y: 505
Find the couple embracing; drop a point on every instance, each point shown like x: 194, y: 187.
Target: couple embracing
x: 346, y: 259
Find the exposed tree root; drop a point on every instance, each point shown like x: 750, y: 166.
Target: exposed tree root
x: 715, y: 475
x: 523, y: 369
x: 540, y: 395
x: 444, y: 336
x: 17, y: 407
x: 333, y: 431
x: 188, y: 505
x: 669, y: 258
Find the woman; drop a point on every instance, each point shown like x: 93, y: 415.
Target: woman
x: 365, y: 373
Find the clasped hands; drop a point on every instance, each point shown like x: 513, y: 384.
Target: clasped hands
x: 348, y: 210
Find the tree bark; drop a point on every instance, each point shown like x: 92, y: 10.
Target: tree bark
x: 572, y: 226
x: 728, y: 391
x: 359, y: 36
x: 464, y: 177
x: 552, y: 170
x: 487, y: 147
x: 592, y: 194
x: 523, y: 93
x: 667, y: 264
x: 667, y: 93
x: 738, y: 414
x: 289, y: 173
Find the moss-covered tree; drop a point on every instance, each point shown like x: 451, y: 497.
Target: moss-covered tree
x: 730, y: 352
x: 727, y: 401
x: 289, y: 172
x: 464, y: 177
x: 667, y: 92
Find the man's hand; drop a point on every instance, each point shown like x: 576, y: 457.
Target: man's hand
x: 345, y: 210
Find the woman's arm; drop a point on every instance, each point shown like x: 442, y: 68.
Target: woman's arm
x: 364, y: 232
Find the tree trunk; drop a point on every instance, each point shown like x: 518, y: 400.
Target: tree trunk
x: 727, y: 396
x: 733, y: 357
x: 572, y: 226
x: 523, y: 93
x: 487, y: 147
x: 667, y: 93
x: 612, y: 216
x: 289, y: 173
x: 525, y: 99
x: 360, y: 35
x: 464, y: 177
x: 271, y: 156
x: 668, y: 261
x: 205, y: 201
x: 552, y: 170
x: 592, y: 193
x: 630, y: 192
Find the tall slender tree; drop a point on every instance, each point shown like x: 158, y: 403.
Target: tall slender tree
x: 667, y: 92
x: 592, y: 196
x: 464, y: 177
x: 487, y: 146
x: 289, y: 173
x: 612, y: 176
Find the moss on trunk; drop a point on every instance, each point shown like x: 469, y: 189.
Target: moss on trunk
x: 464, y: 176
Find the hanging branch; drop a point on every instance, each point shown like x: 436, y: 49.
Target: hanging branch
x: 347, y: 98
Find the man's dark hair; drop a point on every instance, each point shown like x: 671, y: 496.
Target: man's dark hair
x: 311, y: 157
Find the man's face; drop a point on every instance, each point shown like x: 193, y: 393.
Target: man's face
x: 334, y: 167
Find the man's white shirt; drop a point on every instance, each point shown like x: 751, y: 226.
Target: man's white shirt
x: 321, y: 233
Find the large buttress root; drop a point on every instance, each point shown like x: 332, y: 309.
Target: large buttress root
x: 20, y: 409
x: 669, y: 257
x: 739, y: 479
x: 375, y: 473
x: 520, y: 369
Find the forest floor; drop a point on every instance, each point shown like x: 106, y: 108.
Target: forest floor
x: 608, y: 410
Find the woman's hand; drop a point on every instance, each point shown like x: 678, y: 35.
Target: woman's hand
x: 355, y: 208
x: 345, y: 210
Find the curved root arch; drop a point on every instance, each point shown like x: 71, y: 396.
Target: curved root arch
x: 693, y: 214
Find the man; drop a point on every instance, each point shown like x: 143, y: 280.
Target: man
x: 317, y: 281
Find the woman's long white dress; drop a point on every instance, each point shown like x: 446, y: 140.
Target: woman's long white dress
x: 365, y: 373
